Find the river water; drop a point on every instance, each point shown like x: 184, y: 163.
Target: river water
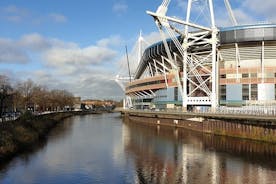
x: 106, y: 149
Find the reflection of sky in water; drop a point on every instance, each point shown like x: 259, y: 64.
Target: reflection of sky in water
x: 92, y: 153
x: 100, y: 149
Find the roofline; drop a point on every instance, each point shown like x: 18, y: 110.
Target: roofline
x: 252, y: 26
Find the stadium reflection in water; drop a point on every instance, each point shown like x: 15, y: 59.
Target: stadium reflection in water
x: 169, y: 155
x: 102, y: 149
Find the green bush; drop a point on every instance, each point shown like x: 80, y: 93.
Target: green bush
x: 7, y: 144
x: 27, y: 116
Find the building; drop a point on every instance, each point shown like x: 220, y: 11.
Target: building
x: 98, y: 104
x: 230, y: 66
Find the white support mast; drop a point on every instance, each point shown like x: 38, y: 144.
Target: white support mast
x: 214, y: 42
x: 122, y: 79
x: 140, y: 42
x: 185, y: 46
x: 199, y: 70
x: 230, y: 12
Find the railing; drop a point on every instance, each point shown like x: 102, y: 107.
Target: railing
x: 248, y: 110
x: 6, y: 118
x: 269, y: 111
x: 14, y: 116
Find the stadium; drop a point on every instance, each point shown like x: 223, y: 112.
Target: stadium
x: 205, y: 67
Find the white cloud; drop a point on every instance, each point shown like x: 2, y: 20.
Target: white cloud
x: 34, y: 41
x: 78, y: 56
x: 45, y: 78
x: 152, y: 38
x: 148, y: 39
x: 120, y: 7
x: 111, y: 41
x: 264, y: 8
x: 268, y: 6
x: 97, y: 83
x: 11, y: 53
x: 15, y: 10
x: 246, y: 12
x: 243, y: 17
x: 17, y: 14
x: 84, y: 71
x: 182, y: 4
x: 56, y: 52
x: 88, y: 83
x: 59, y: 18
x: 249, y: 12
x: 60, y: 43
x: 12, y: 9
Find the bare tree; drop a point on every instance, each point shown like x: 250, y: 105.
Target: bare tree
x: 39, y: 97
x: 59, y: 99
x: 26, y: 90
x: 17, y: 100
x: 5, y: 93
x: 29, y: 96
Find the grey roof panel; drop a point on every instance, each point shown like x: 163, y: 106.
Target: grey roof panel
x: 227, y: 35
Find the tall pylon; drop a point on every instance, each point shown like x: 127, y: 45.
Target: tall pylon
x: 230, y: 13
x: 200, y: 70
x: 135, y: 56
x: 140, y: 47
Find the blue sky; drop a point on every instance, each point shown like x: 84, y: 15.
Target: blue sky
x: 78, y: 44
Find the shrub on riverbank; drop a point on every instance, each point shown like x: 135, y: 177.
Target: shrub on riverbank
x: 23, y: 133
x: 8, y: 145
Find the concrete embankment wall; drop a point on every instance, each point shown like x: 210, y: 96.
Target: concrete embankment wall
x: 239, y: 147
x: 262, y: 129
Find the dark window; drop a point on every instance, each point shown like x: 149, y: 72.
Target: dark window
x: 275, y: 91
x: 245, y: 97
x: 176, y: 94
x: 223, y: 92
x: 254, y: 91
x: 245, y: 75
x: 245, y: 91
x: 223, y: 76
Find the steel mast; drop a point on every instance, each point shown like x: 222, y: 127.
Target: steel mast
x: 200, y: 70
x: 230, y: 12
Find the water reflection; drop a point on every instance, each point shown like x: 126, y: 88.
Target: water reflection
x: 26, y: 158
x: 60, y: 132
x: 168, y: 155
x: 84, y: 149
x: 102, y: 149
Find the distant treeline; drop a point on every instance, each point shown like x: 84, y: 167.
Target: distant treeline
x: 29, y: 96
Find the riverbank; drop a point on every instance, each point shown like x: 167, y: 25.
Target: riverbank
x: 22, y: 134
x: 241, y: 126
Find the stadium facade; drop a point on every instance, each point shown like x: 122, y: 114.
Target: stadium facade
x: 201, y: 67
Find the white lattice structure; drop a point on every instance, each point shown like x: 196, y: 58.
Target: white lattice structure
x: 199, y: 68
x: 197, y: 65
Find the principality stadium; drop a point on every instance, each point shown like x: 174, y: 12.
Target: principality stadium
x: 199, y: 67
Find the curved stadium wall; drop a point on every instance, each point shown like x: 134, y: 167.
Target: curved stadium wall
x: 247, y: 70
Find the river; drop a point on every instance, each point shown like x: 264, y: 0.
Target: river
x: 106, y: 149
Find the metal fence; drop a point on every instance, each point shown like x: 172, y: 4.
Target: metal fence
x: 246, y: 110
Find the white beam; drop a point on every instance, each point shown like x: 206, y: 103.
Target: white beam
x: 230, y: 13
x: 159, y: 16
x: 165, y: 75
